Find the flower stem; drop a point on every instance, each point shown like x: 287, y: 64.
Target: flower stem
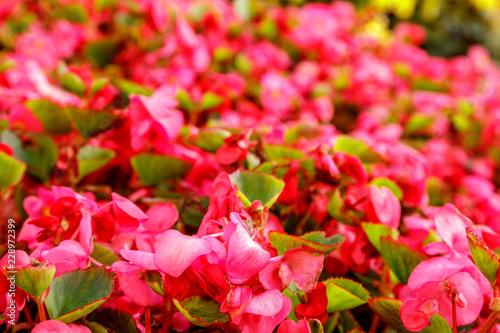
x: 489, y: 322
x: 147, y: 314
x: 454, y: 310
x: 41, y: 310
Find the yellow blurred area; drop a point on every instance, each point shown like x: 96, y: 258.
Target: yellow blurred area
x: 405, y: 9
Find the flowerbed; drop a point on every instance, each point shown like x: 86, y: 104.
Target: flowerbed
x: 171, y: 166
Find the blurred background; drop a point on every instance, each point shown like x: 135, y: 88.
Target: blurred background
x: 452, y: 25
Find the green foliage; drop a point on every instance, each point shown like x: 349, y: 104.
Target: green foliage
x: 202, y: 311
x: 254, y: 186
x: 316, y: 240
x: 345, y: 294
x: 75, y: 294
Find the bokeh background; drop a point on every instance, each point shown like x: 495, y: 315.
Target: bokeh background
x: 452, y: 25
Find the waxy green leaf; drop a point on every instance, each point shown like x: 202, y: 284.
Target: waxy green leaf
x: 113, y: 319
x: 155, y: 281
x: 91, y: 159
x: 75, y: 294
x: 374, y: 231
x: 202, y: 311
x: 345, y: 294
x: 486, y: 260
x: 52, y: 116
x: 35, y: 280
x: 154, y: 169
x: 254, y: 186
x: 356, y: 147
x: 12, y: 171
x: 401, y: 259
x: 316, y: 240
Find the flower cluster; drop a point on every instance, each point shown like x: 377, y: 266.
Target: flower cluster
x: 177, y: 164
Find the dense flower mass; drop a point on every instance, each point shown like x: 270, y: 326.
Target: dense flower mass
x: 171, y: 165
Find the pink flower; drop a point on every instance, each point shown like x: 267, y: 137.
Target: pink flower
x: 56, y: 326
x: 245, y: 258
x: 277, y: 94
x: 176, y: 252
x: 127, y: 214
x: 154, y: 118
x: 383, y: 206
x: 302, y: 265
x: 131, y: 280
x: 264, y: 312
x: 430, y: 289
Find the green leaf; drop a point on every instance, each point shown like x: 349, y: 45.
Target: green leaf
x: 73, y: 12
x: 428, y: 85
x: 277, y: 151
x: 348, y: 321
x: 295, y: 300
x: 401, y: 259
x: 344, y: 294
x: 486, y: 260
x: 102, y: 51
x: 91, y: 159
x: 116, y: 320
x: 356, y: 148
x: 257, y: 186
x: 202, y: 311
x: 75, y: 294
x: 391, y: 185
x: 155, y: 282
x: 335, y: 208
x: 284, y: 242
x: 418, y: 123
x: 154, y: 169
x: 98, y: 84
x: 12, y: 171
x: 388, y: 310
x: 315, y: 326
x: 210, y: 100
x: 73, y: 83
x: 52, y: 116
x: 40, y: 153
x: 105, y: 4
x: 35, y: 280
x: 210, y: 139
x: 89, y: 122
x: 374, y: 231
x: 185, y: 101
x: 129, y: 87
x: 104, y: 254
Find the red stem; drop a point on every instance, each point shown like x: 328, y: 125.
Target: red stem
x: 41, y: 310
x: 489, y: 322
x: 454, y: 310
x: 147, y: 313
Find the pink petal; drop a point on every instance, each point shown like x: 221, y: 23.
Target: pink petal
x: 85, y: 236
x: 176, y: 251
x: 51, y: 326
x: 79, y: 328
x: 289, y: 326
x: 305, y: 267
x: 162, y: 217
x: 265, y: 311
x: 451, y: 224
x: 140, y: 258
x: 385, y: 205
x: 270, y: 276
x: 245, y: 258
x: 133, y: 286
x: 413, y: 320
x: 127, y: 213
